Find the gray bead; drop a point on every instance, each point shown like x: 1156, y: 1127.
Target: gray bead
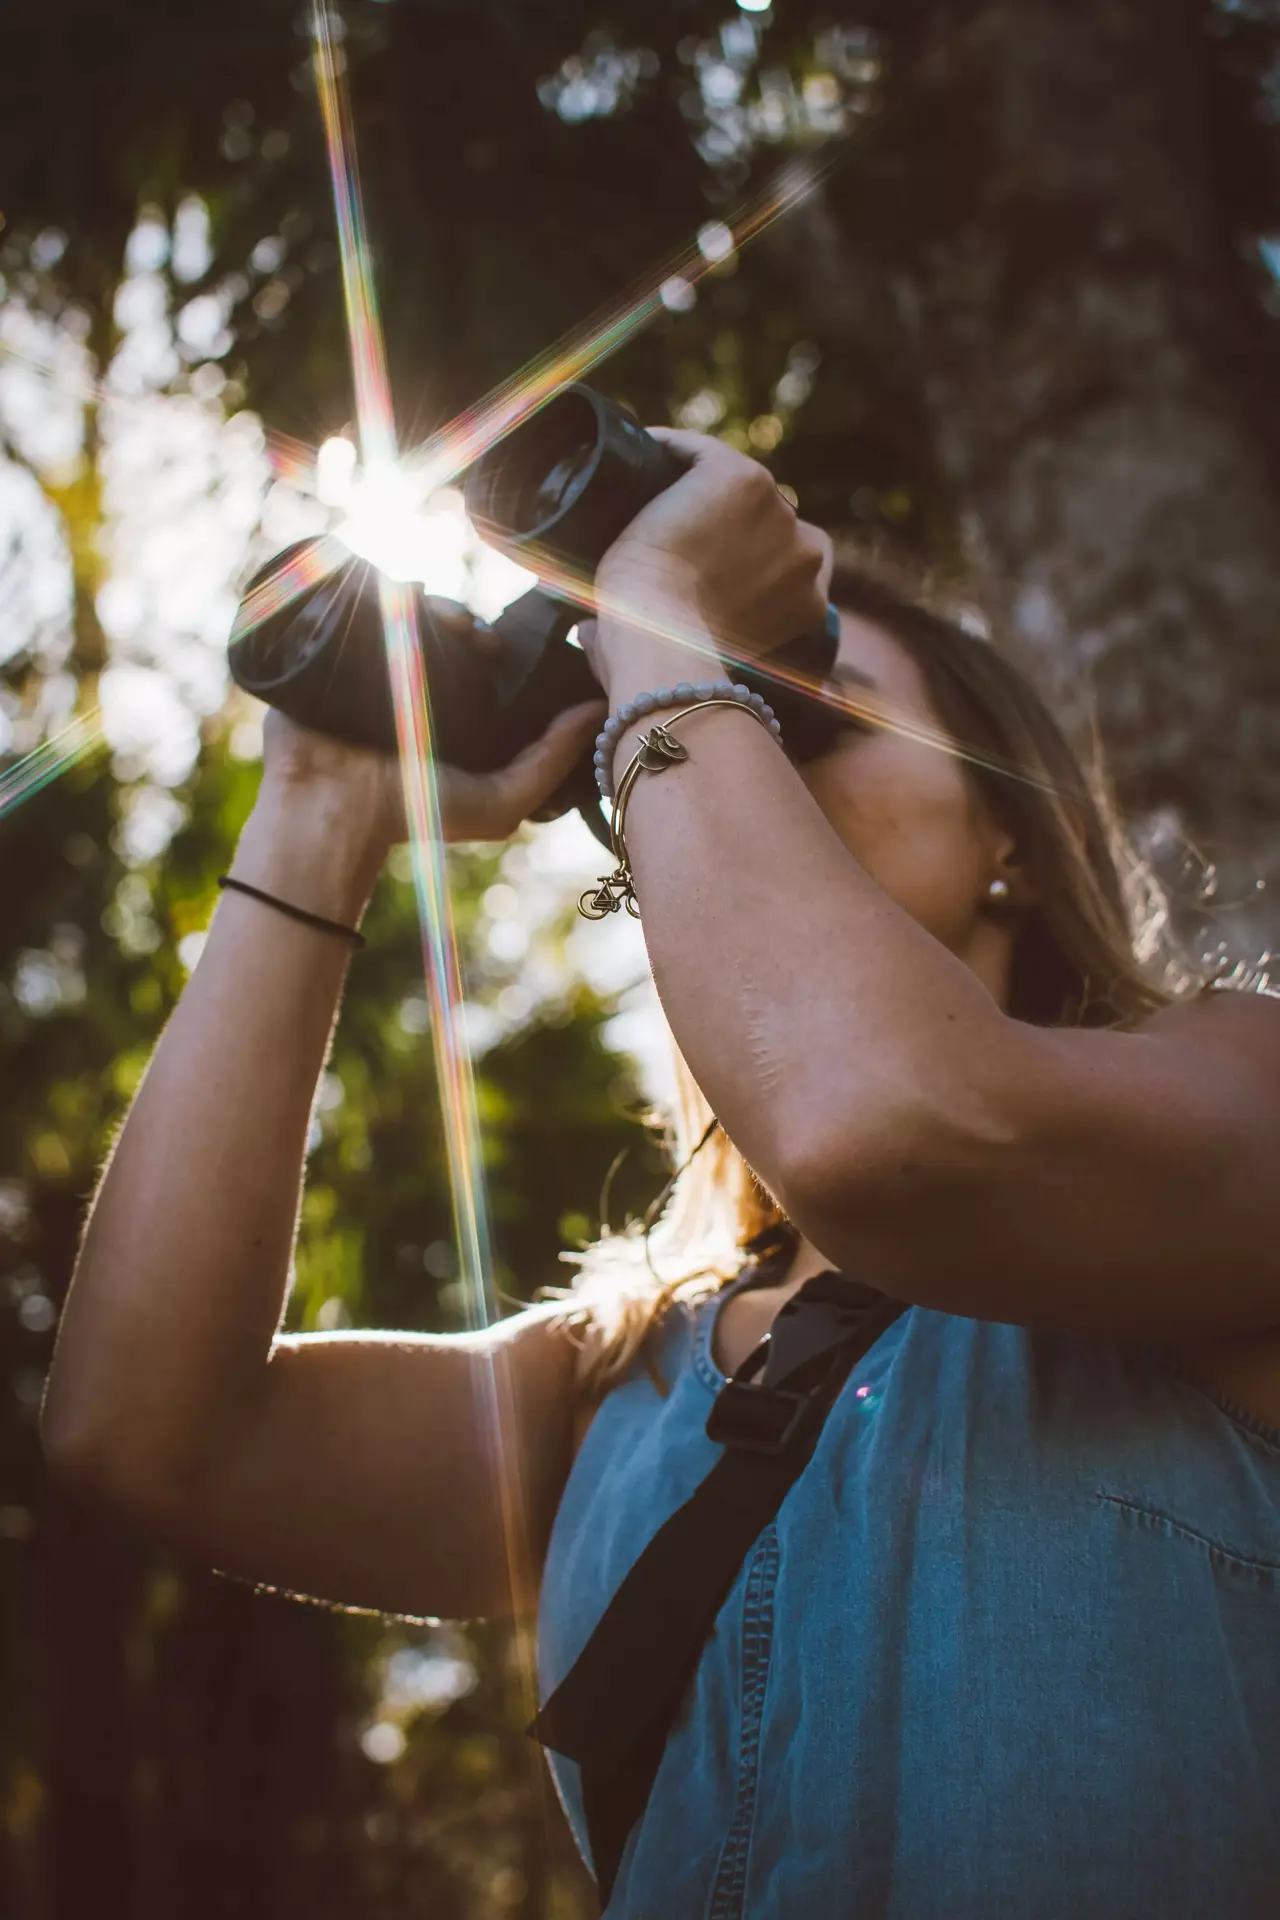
x: 601, y: 759
x: 757, y: 701
x: 612, y: 728
x: 627, y: 713
x: 704, y: 690
x: 684, y: 690
x: 775, y: 726
x: 643, y: 703
x: 664, y: 697
x: 740, y: 692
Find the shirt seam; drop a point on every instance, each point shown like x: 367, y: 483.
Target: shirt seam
x: 729, y: 1890
x: 1240, y: 1415
x: 708, y: 1311
x: 1168, y: 1522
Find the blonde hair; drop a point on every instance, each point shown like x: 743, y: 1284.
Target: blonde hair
x: 1096, y: 950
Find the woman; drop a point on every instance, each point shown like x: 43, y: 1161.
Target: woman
x: 1010, y: 1644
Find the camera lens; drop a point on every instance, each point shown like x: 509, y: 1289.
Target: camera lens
x: 569, y: 479
x: 562, y: 484
x: 533, y: 479
x: 282, y: 642
x: 544, y: 467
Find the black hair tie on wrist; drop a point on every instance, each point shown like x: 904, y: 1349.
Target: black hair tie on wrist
x: 294, y: 913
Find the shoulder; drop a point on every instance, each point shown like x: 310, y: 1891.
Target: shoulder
x: 1237, y: 1015
x: 1215, y: 1056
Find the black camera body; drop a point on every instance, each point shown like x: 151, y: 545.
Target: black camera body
x: 565, y: 483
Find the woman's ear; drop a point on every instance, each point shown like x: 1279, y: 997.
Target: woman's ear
x: 1009, y: 868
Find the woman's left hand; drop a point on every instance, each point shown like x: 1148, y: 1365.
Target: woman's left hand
x: 720, y: 556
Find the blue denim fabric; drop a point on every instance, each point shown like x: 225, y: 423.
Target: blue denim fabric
x: 1010, y: 1651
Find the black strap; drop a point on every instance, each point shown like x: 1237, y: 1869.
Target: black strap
x: 316, y: 920
x: 613, y: 1710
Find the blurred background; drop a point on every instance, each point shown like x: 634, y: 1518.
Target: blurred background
x: 1024, y: 331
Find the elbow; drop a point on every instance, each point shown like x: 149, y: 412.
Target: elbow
x: 100, y: 1462
x: 81, y: 1456
x: 877, y: 1181
x: 72, y: 1451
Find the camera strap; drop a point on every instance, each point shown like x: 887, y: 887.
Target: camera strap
x: 615, y: 1707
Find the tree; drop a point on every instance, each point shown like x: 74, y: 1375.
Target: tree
x: 1083, y: 304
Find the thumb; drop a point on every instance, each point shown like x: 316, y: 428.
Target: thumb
x: 696, y: 448
x: 824, y: 542
x: 538, y: 769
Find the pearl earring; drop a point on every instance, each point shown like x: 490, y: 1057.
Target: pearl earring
x: 998, y: 889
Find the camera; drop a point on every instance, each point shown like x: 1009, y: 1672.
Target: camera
x: 563, y: 484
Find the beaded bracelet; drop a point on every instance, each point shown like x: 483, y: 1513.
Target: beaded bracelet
x: 684, y: 690
x: 657, y: 749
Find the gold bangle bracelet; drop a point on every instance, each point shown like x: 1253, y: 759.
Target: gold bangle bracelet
x: 656, y: 750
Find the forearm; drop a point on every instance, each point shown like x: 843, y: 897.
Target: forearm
x: 827, y: 1028
x: 182, y: 1275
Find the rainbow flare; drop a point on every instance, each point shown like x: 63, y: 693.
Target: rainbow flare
x: 54, y: 756
x: 461, y: 442
x: 81, y: 387
x: 292, y: 460
x: 376, y: 430
x: 306, y: 568
x: 457, y: 445
x: 573, y: 584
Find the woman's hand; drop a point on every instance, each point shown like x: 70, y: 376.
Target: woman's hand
x: 302, y: 766
x: 721, y: 555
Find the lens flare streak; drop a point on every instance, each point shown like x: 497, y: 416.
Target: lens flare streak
x: 306, y: 568
x: 440, y: 949
x: 413, y: 725
x: 376, y: 430
x: 368, y: 359
x: 459, y: 444
x: 78, y: 385
x: 37, y: 769
x: 292, y: 461
x: 574, y: 585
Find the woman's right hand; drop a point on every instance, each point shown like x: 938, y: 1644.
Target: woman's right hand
x: 300, y: 764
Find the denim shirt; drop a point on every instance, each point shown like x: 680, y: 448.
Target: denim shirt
x: 1010, y: 1648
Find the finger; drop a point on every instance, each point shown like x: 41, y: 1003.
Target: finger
x: 449, y: 613
x: 826, y: 547
x: 698, y: 448
x: 588, y: 633
x: 486, y: 641
x: 539, y: 768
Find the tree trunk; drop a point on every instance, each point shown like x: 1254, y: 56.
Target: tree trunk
x: 1098, y: 389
